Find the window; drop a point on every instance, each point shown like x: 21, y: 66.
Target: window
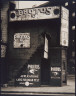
x: 66, y: 4
x: 73, y: 2
x: 73, y: 14
x: 73, y: 27
x: 73, y: 53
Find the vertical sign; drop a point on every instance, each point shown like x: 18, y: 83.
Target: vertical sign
x: 22, y: 40
x: 64, y: 34
x: 46, y: 48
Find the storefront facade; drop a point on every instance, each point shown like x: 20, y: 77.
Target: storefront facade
x: 37, y: 46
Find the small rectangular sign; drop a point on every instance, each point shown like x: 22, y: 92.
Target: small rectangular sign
x: 55, y: 75
x: 22, y: 40
x: 55, y: 68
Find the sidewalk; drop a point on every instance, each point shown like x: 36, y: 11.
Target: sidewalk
x: 69, y: 89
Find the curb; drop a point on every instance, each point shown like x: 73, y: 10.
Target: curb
x: 22, y: 92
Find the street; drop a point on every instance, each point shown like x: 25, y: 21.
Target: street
x: 41, y: 95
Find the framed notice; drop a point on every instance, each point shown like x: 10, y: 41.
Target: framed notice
x: 22, y: 40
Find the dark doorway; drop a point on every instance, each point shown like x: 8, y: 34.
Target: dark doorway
x: 45, y: 72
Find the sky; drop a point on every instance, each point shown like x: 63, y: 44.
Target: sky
x: 29, y: 4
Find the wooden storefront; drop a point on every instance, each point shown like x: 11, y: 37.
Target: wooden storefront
x: 37, y: 46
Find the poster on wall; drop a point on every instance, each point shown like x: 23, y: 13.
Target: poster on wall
x: 22, y: 40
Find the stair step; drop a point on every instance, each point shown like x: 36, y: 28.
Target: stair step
x: 16, y: 71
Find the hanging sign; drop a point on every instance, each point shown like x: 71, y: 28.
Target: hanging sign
x: 46, y: 48
x: 22, y: 40
x: 34, y: 13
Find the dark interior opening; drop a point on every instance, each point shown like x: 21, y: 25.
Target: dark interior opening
x: 45, y: 72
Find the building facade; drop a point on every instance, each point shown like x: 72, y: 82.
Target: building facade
x: 35, y: 52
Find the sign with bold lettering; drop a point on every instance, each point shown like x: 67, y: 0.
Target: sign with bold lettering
x: 55, y: 68
x: 64, y: 34
x: 34, y: 13
x: 31, y: 77
x: 22, y: 40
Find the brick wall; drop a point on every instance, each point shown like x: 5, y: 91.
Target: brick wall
x: 4, y: 29
x: 4, y: 18
x: 18, y: 57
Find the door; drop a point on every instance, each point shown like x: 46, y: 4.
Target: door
x: 45, y: 65
x: 45, y: 72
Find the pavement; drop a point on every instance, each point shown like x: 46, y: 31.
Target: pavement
x: 66, y: 89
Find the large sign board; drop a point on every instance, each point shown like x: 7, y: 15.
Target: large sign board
x: 22, y: 40
x: 34, y: 13
x: 64, y: 34
x: 31, y: 77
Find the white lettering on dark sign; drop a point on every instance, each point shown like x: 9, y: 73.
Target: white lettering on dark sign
x: 55, y: 69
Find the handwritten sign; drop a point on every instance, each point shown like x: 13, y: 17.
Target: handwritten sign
x: 34, y: 13
x: 22, y: 40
